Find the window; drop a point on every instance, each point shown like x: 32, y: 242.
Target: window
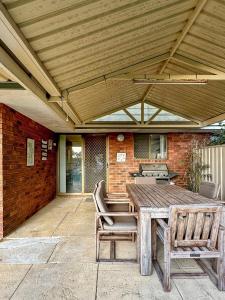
x: 153, y: 146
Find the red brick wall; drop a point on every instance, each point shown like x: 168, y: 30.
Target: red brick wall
x: 177, y: 144
x: 1, y: 179
x: 25, y: 189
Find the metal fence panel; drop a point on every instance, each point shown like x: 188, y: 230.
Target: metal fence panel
x: 214, y: 156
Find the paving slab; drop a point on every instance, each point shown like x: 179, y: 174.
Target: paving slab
x: 10, y: 278
x: 75, y: 249
x: 76, y: 224
x: 59, y: 281
x: 42, y: 224
x: 27, y: 250
x: 125, y: 282
x: 66, y: 204
x: 199, y: 289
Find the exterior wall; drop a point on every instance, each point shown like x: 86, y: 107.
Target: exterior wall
x: 177, y: 146
x: 24, y: 190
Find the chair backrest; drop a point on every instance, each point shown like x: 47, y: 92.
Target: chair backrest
x: 194, y: 225
x: 209, y: 189
x: 100, y: 204
x: 94, y: 197
x: 145, y: 180
x: 101, y: 184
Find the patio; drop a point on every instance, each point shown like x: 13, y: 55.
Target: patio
x: 60, y: 261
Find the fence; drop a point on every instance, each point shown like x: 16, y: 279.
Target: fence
x: 214, y: 157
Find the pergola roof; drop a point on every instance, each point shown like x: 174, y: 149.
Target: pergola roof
x: 89, y: 52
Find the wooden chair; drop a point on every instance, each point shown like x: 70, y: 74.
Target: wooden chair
x: 112, y: 226
x: 110, y: 196
x: 114, y: 199
x: 145, y: 180
x: 210, y: 190
x: 193, y: 231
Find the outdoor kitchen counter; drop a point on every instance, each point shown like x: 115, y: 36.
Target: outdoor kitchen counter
x: 152, y: 202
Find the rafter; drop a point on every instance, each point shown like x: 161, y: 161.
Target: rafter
x: 196, y: 64
x: 66, y: 106
x: 213, y: 120
x: 142, y: 64
x: 187, y: 27
x: 111, y: 111
x: 131, y: 116
x: 153, y: 116
x: 173, y: 111
x: 15, y: 41
x: 18, y: 74
x: 171, y: 77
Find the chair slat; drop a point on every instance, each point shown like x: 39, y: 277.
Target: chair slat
x: 181, y: 226
x: 198, y: 226
x: 207, y: 225
x: 190, y: 226
x: 173, y: 224
x: 215, y: 228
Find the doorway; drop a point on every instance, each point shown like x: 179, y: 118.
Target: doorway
x: 95, y: 161
x: 82, y: 162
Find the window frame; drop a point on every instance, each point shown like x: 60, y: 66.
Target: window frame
x: 150, y: 146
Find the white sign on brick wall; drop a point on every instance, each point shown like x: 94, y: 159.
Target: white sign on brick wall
x: 121, y: 157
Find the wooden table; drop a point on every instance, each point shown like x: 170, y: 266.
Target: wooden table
x: 152, y: 202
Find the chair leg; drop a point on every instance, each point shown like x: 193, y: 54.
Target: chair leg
x: 137, y: 247
x: 221, y: 261
x: 97, y: 246
x: 112, y: 250
x: 154, y: 240
x: 167, y: 262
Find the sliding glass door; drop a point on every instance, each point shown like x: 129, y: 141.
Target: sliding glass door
x: 82, y: 162
x: 70, y: 164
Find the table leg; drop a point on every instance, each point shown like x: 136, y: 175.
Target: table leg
x: 145, y: 244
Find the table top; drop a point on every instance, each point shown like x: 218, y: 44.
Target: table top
x: 162, y: 196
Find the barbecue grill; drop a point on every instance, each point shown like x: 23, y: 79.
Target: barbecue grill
x: 158, y: 170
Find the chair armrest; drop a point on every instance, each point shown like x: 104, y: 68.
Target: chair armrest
x: 117, y: 214
x: 162, y: 224
x: 117, y: 201
x: 117, y: 194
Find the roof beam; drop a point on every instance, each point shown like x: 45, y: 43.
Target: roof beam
x: 67, y: 107
x: 131, y: 116
x: 188, y: 25
x: 213, y: 120
x: 173, y: 111
x: 171, y: 77
x: 16, y: 42
x: 142, y: 64
x: 16, y: 72
x: 153, y: 116
x: 194, y: 63
x: 111, y: 111
x: 152, y: 125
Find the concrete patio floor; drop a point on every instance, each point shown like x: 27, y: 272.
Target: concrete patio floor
x: 52, y: 256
